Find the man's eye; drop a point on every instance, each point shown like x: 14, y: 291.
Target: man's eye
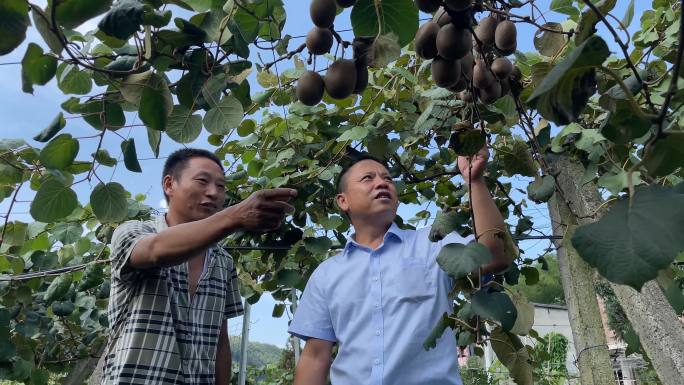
x: 202, y: 180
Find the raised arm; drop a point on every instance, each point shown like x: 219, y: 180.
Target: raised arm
x: 263, y: 210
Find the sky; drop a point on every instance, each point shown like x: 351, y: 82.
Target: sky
x: 25, y: 115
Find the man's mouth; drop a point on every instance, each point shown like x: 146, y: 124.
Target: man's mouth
x: 383, y: 195
x: 208, y: 205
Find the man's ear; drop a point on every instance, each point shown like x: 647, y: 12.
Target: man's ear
x: 342, y: 202
x: 167, y: 185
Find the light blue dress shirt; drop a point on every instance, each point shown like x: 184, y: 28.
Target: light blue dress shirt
x: 379, y: 305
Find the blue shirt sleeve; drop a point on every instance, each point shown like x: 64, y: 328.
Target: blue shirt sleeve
x: 312, y: 318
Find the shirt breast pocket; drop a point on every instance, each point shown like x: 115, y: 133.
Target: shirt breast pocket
x: 414, y: 284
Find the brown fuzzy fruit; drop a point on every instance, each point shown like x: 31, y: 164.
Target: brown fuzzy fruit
x: 345, y: 3
x: 490, y: 94
x: 516, y: 75
x: 486, y: 29
x: 457, y: 5
x: 319, y: 40
x: 323, y: 12
x: 482, y: 77
x: 441, y: 17
x: 505, y: 37
x: 310, y: 88
x: 361, y: 77
x: 466, y: 96
x: 460, y: 85
x: 453, y: 42
x: 505, y: 86
x: 340, y: 80
x: 426, y: 40
x: 445, y: 73
x: 467, y: 63
x: 502, y: 67
x: 427, y: 6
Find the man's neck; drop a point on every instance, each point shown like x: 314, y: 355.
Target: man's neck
x: 370, y: 235
x: 173, y: 218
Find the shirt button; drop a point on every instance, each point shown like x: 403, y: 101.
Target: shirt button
x: 377, y: 361
x: 377, y: 305
x: 375, y: 279
x: 377, y: 332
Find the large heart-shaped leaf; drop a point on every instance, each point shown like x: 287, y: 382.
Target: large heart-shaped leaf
x: 43, y: 25
x: 513, y: 354
x: 36, y: 67
x: 53, y: 201
x: 183, y: 126
x: 72, y: 13
x: 130, y: 155
x: 318, y: 245
x: 565, y: 90
x: 445, y: 223
x: 632, y: 242
x: 398, y: 16
x: 14, y: 21
x: 67, y: 232
x: 60, y: 152
x: 667, y: 155
x: 123, y: 19
x: 541, y: 189
x: 459, y: 260
x: 73, y: 81
x: 496, y: 306
x: 154, y: 111
x: 109, y: 202
x: 103, y: 114
x: 227, y: 114
x: 586, y: 26
x: 524, y: 315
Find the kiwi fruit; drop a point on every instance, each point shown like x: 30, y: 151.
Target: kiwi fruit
x: 453, y: 42
x: 505, y: 86
x: 490, y: 94
x: 441, y: 17
x: 486, y: 29
x: 457, y: 5
x: 426, y: 40
x: 466, y: 96
x: 319, y: 40
x: 467, y: 63
x: 482, y: 77
x: 323, y: 12
x: 361, y: 77
x: 505, y: 37
x: 516, y: 75
x: 340, y: 80
x: 428, y: 6
x: 460, y: 85
x: 345, y: 3
x: 502, y: 67
x: 445, y: 72
x: 310, y: 88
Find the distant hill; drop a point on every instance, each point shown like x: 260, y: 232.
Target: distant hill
x: 258, y: 353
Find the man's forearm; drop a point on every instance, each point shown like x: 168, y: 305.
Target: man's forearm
x: 310, y: 371
x: 489, y: 224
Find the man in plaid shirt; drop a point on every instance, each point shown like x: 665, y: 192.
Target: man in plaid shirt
x: 173, y: 288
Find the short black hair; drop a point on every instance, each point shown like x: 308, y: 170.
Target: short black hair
x: 178, y: 160
x: 341, y: 182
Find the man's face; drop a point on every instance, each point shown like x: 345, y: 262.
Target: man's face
x: 198, y: 192
x: 369, y: 192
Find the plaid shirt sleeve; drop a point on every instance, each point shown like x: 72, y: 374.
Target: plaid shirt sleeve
x: 233, y: 301
x: 124, y: 239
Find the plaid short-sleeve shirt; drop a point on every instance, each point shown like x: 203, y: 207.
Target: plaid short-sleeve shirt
x: 158, y: 335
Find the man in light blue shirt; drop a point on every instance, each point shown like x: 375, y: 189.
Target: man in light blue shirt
x: 380, y: 297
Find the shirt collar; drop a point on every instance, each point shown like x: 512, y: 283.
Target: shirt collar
x: 393, y: 232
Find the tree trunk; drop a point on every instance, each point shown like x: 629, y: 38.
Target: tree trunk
x: 660, y: 331
x: 83, y: 369
x: 588, y: 334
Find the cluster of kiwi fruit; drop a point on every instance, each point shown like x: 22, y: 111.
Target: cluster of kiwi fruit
x: 468, y: 58
x: 344, y: 76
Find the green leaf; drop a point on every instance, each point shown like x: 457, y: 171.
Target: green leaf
x: 60, y: 152
x: 14, y: 234
x: 385, y: 49
x: 67, y: 232
x: 541, y: 189
x: 624, y: 124
x: 666, y: 156
x: 72, y: 13
x: 445, y: 223
x: 58, y: 288
x: 496, y: 306
x: 525, y: 315
x: 63, y: 308
x: 516, y: 159
x: 267, y: 79
x: 618, y: 181
x: 278, y: 310
x: 513, y: 354
x: 398, y: 16
x: 629, y: 14
x: 123, y: 19
x: 154, y: 140
x: 122, y: 63
x: 183, y: 126
x: 586, y: 27
x: 53, y: 201
x: 36, y: 67
x: 459, y: 260
x: 355, y: 133
x: 289, y: 278
x: 565, y: 90
x: 72, y: 81
x: 132, y: 88
x: 632, y: 242
x: 247, y: 25
x: 154, y: 111
x: 10, y: 174
x: 130, y: 155
x: 437, y: 331
x: 14, y: 21
x: 51, y: 130
x: 531, y: 275
x: 467, y: 142
x: 227, y: 114
x: 565, y: 7
x: 103, y: 114
x: 109, y: 202
x: 44, y: 27
x: 549, y: 43
x: 318, y: 245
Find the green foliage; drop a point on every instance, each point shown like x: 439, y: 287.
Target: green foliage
x: 548, y: 290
